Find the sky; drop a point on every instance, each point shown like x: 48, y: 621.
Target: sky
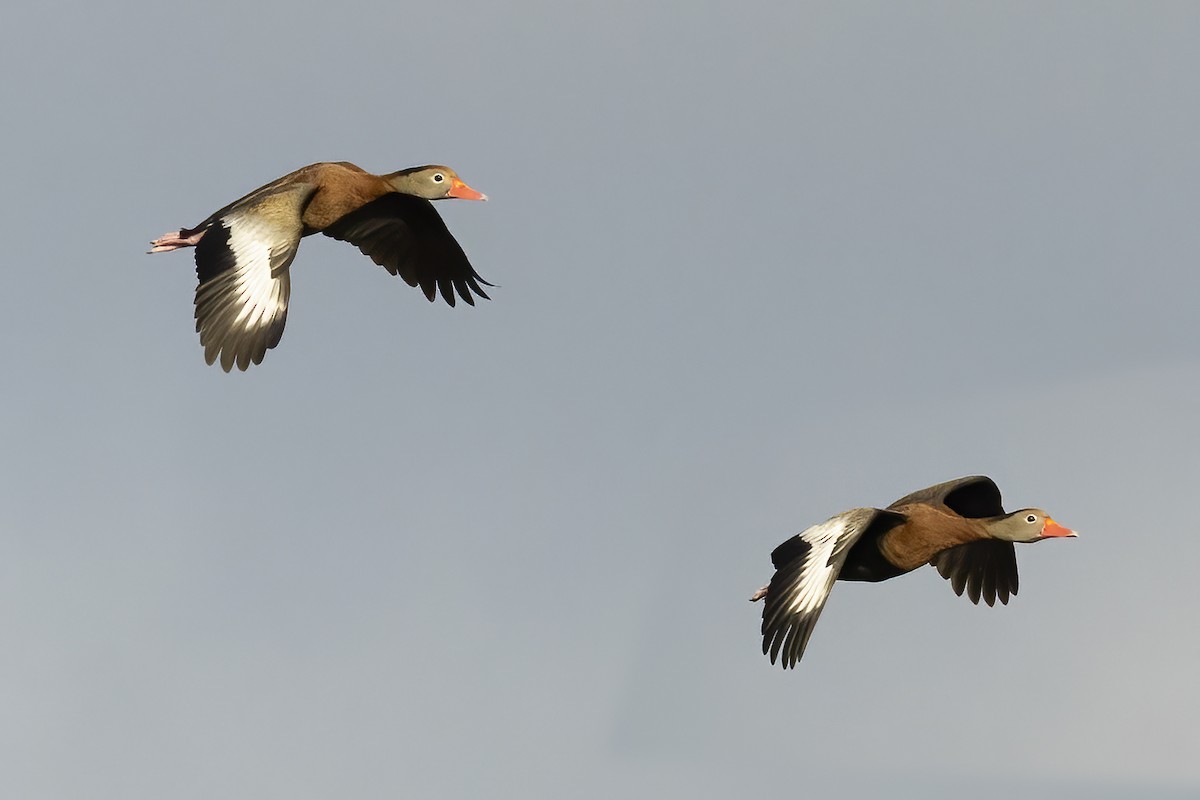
x: 756, y: 264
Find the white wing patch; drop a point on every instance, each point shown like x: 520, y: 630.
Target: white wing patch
x: 818, y: 575
x: 253, y: 282
x: 242, y: 307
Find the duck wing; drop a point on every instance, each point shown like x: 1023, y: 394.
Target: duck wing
x: 406, y: 236
x: 806, y: 567
x: 242, y: 264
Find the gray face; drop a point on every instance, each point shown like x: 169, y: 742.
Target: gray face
x: 1025, y: 525
x: 432, y: 183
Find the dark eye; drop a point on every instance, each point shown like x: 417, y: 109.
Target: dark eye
x: 1031, y: 518
x: 438, y: 177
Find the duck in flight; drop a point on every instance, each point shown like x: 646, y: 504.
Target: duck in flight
x: 244, y: 250
x: 959, y: 527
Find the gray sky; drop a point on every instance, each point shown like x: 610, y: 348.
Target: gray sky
x: 756, y: 266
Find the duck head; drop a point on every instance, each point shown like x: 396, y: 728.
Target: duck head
x: 1027, y: 525
x: 433, y: 182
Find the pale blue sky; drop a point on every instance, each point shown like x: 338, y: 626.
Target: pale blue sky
x: 756, y: 264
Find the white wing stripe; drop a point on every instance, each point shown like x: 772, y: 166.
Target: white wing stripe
x: 818, y: 576
x: 257, y: 290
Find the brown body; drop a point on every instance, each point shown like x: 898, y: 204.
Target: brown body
x: 343, y: 188
x: 244, y: 250
x: 959, y: 527
x: 927, y: 531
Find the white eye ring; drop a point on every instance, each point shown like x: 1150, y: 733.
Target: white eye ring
x: 438, y: 177
x: 1031, y: 518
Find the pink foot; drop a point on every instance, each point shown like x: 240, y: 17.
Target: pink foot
x: 173, y: 241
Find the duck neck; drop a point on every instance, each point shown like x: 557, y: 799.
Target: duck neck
x: 401, y: 181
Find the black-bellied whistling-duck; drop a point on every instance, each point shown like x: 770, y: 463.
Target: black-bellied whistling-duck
x: 958, y: 526
x: 244, y: 250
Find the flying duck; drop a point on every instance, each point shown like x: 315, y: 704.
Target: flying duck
x: 244, y: 250
x: 959, y: 527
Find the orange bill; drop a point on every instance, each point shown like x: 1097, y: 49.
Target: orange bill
x: 1052, y: 528
x: 463, y: 192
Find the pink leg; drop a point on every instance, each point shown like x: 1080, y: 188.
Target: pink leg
x: 174, y: 240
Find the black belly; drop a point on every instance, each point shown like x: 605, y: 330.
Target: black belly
x: 864, y: 562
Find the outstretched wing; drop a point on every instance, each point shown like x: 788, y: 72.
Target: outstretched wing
x: 242, y: 263
x: 406, y: 236
x: 986, y: 569
x: 806, y: 567
x: 974, y: 497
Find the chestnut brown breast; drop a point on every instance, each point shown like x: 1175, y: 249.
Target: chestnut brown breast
x: 341, y: 188
x: 928, y: 531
